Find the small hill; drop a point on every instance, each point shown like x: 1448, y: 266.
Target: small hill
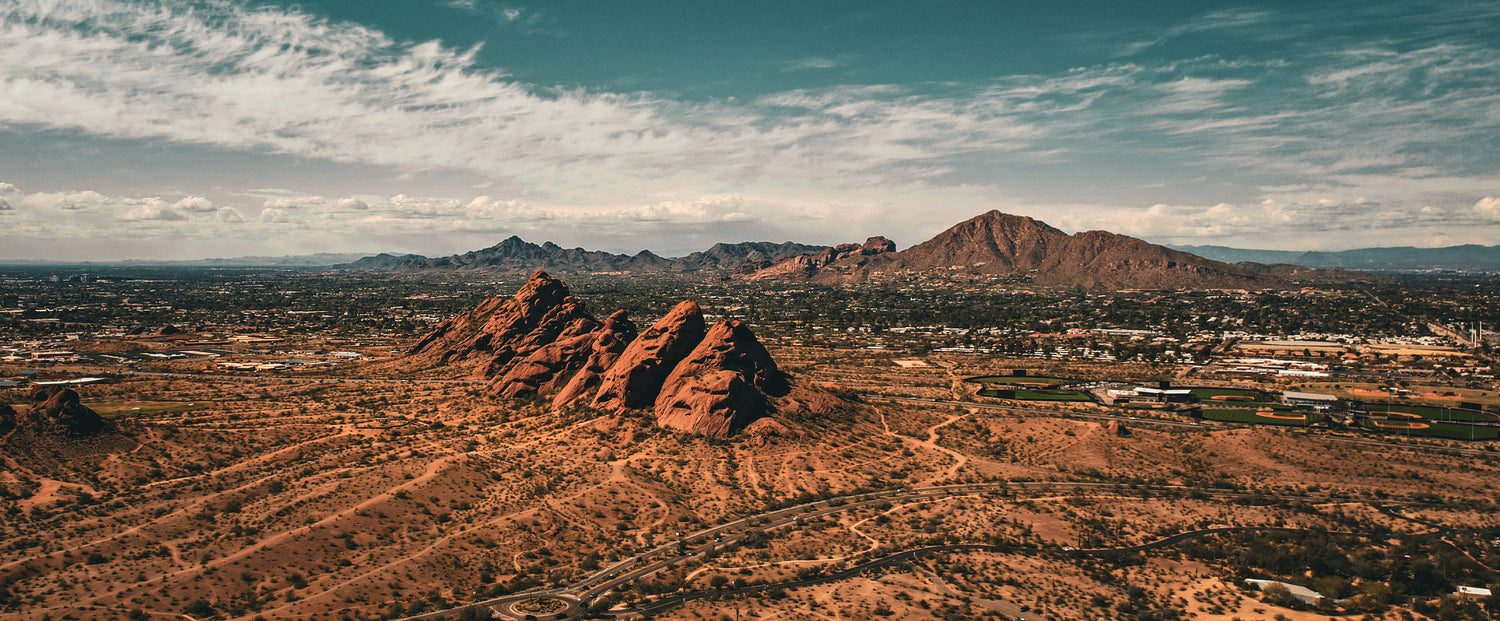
x: 1005, y: 244
x: 57, y: 434
x: 541, y: 343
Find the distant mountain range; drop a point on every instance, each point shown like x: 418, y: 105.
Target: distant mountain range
x: 520, y: 256
x: 321, y: 259
x: 993, y: 243
x: 1470, y: 257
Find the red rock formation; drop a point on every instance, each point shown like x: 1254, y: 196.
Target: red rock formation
x: 550, y: 365
x: 605, y: 348
x: 636, y: 378
x: 722, y: 385
x: 501, y: 330
x: 541, y: 341
x: 807, y: 266
x: 57, y: 409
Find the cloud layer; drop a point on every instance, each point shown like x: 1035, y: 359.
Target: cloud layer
x: 1332, y: 135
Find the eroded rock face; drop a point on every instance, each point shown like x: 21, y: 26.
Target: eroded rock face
x: 605, y: 348
x: 501, y: 330
x: 636, y: 378
x: 549, y: 366
x: 712, y: 382
x: 57, y: 409
x: 722, y: 385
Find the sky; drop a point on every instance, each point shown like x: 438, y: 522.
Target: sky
x: 178, y: 129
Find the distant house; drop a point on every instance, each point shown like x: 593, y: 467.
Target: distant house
x: 1301, y: 593
x: 1472, y: 592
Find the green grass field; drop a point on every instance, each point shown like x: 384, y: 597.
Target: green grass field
x: 1441, y: 430
x: 1037, y: 395
x: 1031, y: 380
x: 1252, y: 418
x: 1433, y: 412
x: 1209, y: 393
x: 110, y: 409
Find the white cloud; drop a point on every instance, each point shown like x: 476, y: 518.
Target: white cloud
x: 152, y: 209
x: 274, y: 215
x: 194, y: 204
x: 286, y: 203
x: 1488, y: 207
x: 813, y: 62
x: 230, y: 215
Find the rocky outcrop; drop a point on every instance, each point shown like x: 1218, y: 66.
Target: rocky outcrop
x: 848, y: 257
x: 636, y: 378
x: 57, y: 410
x: 604, y: 350
x: 711, y: 382
x: 502, y: 330
x: 722, y: 386
x: 546, y: 368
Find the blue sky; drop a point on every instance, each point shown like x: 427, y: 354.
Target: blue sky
x: 176, y: 129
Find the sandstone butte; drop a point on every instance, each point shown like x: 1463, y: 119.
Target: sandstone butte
x: 541, y: 342
x: 54, y: 410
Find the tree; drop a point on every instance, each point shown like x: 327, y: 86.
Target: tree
x: 199, y: 608
x: 1278, y: 595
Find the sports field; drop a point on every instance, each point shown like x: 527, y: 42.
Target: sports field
x: 1035, y: 395
x: 1284, y: 418
x: 1228, y: 394
x: 1025, y: 380
x: 1430, y: 412
x: 1433, y: 430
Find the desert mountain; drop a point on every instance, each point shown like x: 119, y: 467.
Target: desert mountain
x: 541, y: 342
x: 1004, y: 244
x: 517, y: 255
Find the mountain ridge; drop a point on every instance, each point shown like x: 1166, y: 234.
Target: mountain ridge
x: 517, y: 255
x: 995, y: 243
x: 1394, y: 258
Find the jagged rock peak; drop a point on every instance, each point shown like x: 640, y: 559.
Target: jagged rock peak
x: 877, y: 245
x: 608, y: 343
x: 722, y: 386
x: 500, y: 329
x: 636, y: 378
